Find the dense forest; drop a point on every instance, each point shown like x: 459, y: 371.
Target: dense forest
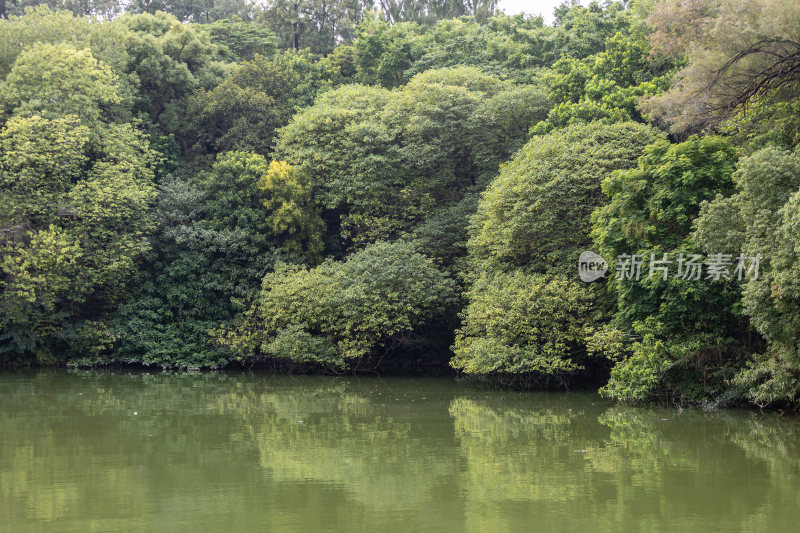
x: 342, y: 186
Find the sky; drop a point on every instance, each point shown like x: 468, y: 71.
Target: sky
x: 532, y: 7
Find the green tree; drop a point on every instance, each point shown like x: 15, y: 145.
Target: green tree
x: 583, y: 30
x: 536, y: 213
x: 318, y: 25
x: 760, y: 219
x: 41, y: 25
x: 382, y: 161
x: 687, y: 334
x: 245, y: 111
x: 219, y: 234
x: 199, y: 11
x: 238, y: 40
x: 156, y: 60
x: 292, y: 218
x: 74, y: 217
x: 170, y: 61
x: 56, y: 80
x: 98, y: 8
x: 527, y: 318
x: 383, y: 52
x: 512, y: 47
x: 428, y: 12
x: 606, y: 86
x: 516, y: 47
x: 524, y: 326
x: 341, y: 313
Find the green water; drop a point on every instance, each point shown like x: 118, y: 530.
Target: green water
x: 96, y: 451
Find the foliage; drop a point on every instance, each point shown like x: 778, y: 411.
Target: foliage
x: 740, y: 54
x: 157, y: 62
x: 605, y: 86
x: 383, y: 52
x: 523, y: 323
x: 318, y: 25
x: 292, y: 218
x: 512, y: 47
x: 170, y: 60
x: 686, y: 331
x: 443, y: 235
x: 431, y: 11
x: 525, y: 316
x: 218, y: 235
x: 56, y: 80
x: 194, y: 10
x: 74, y: 216
x: 97, y: 8
x: 43, y: 26
x: 383, y: 161
x: 245, y: 110
x: 389, y: 53
x: 242, y: 112
x: 761, y: 219
x: 342, y: 312
x: 583, y: 30
x: 535, y: 214
x: 237, y: 40
x: 335, y: 139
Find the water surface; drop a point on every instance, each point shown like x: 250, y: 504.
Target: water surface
x: 129, y: 452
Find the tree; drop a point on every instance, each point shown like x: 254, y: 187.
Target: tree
x: 583, y: 30
x: 292, y: 219
x: 98, y: 8
x: 740, y: 54
x: 684, y: 332
x: 75, y: 214
x: 169, y: 60
x: 315, y: 24
x: 219, y: 234
x: 384, y: 161
x: 343, y: 148
x: 156, y: 61
x: 606, y: 86
x: 527, y: 318
x: 536, y: 213
x: 512, y: 47
x: 341, y: 313
x: 40, y: 25
x: 198, y: 11
x: 383, y: 52
x: 57, y: 80
x: 524, y: 326
x: 238, y: 40
x: 243, y: 112
x: 760, y: 219
x: 428, y: 12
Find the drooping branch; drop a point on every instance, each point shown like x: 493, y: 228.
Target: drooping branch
x: 781, y: 69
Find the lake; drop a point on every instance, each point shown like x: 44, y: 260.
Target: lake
x: 123, y: 451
